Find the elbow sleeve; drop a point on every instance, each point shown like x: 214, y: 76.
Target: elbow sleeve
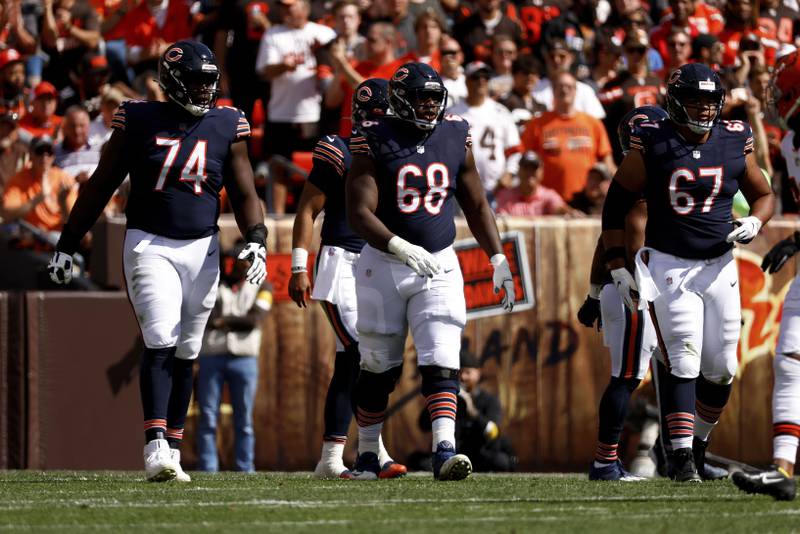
x: 619, y: 202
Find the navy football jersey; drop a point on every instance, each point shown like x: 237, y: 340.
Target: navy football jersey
x: 332, y: 160
x: 690, y: 187
x: 177, y: 163
x: 417, y: 174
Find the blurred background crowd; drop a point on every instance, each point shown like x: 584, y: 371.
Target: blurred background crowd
x: 543, y: 84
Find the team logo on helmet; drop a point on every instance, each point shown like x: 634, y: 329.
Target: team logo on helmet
x: 173, y: 54
x: 637, y: 118
x: 364, y: 94
x: 674, y: 76
x: 400, y: 75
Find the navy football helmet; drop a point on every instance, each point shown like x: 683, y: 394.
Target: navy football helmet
x: 189, y: 76
x: 698, y: 88
x: 633, y: 118
x: 417, y: 95
x: 370, y: 100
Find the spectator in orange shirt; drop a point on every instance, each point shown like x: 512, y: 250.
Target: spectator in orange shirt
x: 40, y: 194
x: 428, y: 29
x: 42, y: 119
x: 12, y: 82
x: 569, y: 142
x: 381, y: 63
x: 13, y: 151
x: 692, y: 17
x: 70, y: 29
x: 149, y: 28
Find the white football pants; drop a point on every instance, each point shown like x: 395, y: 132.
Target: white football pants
x: 172, y: 286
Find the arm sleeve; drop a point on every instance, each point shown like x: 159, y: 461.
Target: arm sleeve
x: 359, y: 145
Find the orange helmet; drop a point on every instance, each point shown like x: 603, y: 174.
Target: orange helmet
x: 784, y: 89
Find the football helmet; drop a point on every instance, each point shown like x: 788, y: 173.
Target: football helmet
x: 189, y: 76
x: 417, y: 95
x: 633, y: 118
x: 784, y: 89
x: 370, y: 100
x: 695, y: 87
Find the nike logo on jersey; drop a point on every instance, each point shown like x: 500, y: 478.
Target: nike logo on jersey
x: 733, y: 284
x: 329, y: 138
x: 212, y: 252
x: 451, y: 269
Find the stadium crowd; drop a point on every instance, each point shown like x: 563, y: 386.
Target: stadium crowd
x: 549, y: 79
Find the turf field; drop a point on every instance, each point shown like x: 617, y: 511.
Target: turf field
x: 122, y: 502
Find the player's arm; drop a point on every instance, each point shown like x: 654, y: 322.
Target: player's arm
x: 312, y: 200
x: 758, y: 193
x: 361, y: 194
x: 94, y: 196
x: 240, y: 185
x: 623, y: 194
x: 480, y: 219
x: 589, y: 312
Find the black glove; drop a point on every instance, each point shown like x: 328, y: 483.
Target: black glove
x: 780, y: 253
x: 589, y: 314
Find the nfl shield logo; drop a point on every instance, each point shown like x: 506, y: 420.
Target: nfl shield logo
x: 420, y: 150
x: 669, y: 280
x: 696, y: 154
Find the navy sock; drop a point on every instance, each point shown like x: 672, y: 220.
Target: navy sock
x: 663, y: 374
x: 679, y: 402
x: 155, y: 383
x: 179, y: 399
x: 338, y: 405
x: 711, y: 400
x: 613, y: 410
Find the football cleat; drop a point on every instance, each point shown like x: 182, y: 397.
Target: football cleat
x: 682, y: 466
x: 706, y: 471
x: 774, y: 482
x: 392, y: 469
x: 158, y: 463
x: 614, y: 472
x: 181, y: 475
x: 332, y: 470
x: 448, y: 465
x: 367, y: 467
x: 661, y: 458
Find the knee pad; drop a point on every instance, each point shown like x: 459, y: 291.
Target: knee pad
x: 722, y: 370
x: 381, y: 352
x: 372, y: 390
x: 436, y: 379
x: 786, y: 391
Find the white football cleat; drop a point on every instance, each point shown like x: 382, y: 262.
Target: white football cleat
x: 181, y: 475
x: 158, y: 463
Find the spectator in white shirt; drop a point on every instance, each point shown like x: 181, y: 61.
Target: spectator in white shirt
x: 452, y: 71
x: 560, y: 57
x: 495, y: 139
x: 287, y: 58
x: 74, y: 154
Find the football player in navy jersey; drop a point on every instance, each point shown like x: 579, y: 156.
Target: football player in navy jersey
x: 179, y: 155
x: 407, y: 173
x: 334, y: 280
x: 628, y: 334
x: 689, y: 168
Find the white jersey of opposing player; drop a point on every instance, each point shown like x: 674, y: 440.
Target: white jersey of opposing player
x: 494, y: 139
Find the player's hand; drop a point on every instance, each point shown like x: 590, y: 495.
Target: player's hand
x: 60, y: 268
x: 626, y: 286
x: 589, y: 314
x: 502, y: 279
x: 256, y: 254
x: 780, y: 253
x: 300, y: 289
x: 420, y: 260
x: 744, y: 230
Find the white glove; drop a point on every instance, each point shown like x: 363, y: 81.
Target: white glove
x: 625, y: 284
x: 60, y: 268
x: 257, y: 255
x: 502, y: 279
x: 420, y: 260
x: 744, y: 230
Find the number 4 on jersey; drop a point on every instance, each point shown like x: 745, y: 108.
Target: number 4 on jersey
x: 193, y: 171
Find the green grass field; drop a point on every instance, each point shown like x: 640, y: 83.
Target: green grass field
x: 122, y: 502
